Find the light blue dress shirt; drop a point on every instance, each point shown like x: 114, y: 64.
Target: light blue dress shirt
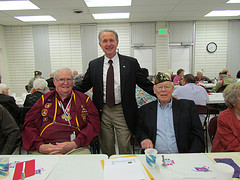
x: 165, y: 137
x: 195, y: 93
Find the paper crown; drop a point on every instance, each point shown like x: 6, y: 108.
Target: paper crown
x: 161, y: 77
x: 37, y: 73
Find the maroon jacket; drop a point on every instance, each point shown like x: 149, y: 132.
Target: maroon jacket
x: 44, y: 124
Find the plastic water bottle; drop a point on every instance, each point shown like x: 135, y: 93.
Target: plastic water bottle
x: 215, y: 80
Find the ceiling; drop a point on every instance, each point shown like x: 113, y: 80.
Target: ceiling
x: 140, y: 11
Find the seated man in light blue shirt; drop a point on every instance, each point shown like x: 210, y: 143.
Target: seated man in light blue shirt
x: 193, y: 92
x: 168, y: 124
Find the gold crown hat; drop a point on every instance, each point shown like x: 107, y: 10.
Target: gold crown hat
x: 161, y: 77
x: 37, y: 73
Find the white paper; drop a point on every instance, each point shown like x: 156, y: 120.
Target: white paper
x: 124, y: 168
x: 43, y: 165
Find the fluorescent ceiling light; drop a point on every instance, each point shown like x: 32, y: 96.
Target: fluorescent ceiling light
x: 233, y: 1
x: 35, y: 18
x: 111, y: 15
x: 223, y: 13
x: 105, y: 3
x: 17, y: 5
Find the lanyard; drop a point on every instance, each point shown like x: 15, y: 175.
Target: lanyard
x: 55, y: 114
x: 66, y: 111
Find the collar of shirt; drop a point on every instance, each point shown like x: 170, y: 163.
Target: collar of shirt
x: 167, y: 107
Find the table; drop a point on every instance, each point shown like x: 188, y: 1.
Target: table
x: 87, y: 167
x: 183, y: 165
x: 208, y: 85
x: 215, y: 98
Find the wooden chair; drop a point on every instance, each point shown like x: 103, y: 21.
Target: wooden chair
x: 204, y: 110
x: 212, y: 128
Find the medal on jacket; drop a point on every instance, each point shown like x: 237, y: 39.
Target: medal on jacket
x: 66, y: 111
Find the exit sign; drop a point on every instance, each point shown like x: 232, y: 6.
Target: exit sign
x: 162, y: 31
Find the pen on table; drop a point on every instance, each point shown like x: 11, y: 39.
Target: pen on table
x: 163, y: 159
x: 23, y: 174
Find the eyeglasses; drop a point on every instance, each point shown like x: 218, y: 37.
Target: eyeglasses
x: 165, y: 87
x: 69, y: 80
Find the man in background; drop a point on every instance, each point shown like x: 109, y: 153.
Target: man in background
x: 50, y: 81
x: 191, y: 91
x: 9, y: 103
x: 10, y: 134
x: 224, y: 80
x: 37, y: 74
x: 114, y: 78
x: 201, y: 78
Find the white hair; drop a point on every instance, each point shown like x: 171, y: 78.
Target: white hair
x: 40, y: 84
x: 3, y: 88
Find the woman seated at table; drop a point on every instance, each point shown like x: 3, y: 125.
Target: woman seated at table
x: 179, y: 78
x: 41, y: 87
x: 227, y: 137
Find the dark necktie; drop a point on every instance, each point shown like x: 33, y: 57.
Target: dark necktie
x: 110, y: 98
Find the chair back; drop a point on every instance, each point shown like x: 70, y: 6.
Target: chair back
x: 221, y: 89
x: 203, y: 109
x: 212, y: 128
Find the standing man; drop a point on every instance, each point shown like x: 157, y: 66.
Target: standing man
x: 118, y: 108
x: 37, y: 74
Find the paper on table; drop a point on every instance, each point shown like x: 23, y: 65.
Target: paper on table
x: 129, y: 168
x: 43, y: 166
x: 28, y: 169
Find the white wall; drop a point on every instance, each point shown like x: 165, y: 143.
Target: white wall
x: 211, y: 31
x: 18, y: 54
x: 3, y: 57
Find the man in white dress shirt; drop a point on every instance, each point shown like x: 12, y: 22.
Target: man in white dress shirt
x: 193, y: 92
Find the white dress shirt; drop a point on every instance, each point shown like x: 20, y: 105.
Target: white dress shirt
x: 116, y: 70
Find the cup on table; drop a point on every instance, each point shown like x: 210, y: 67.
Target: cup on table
x: 224, y: 171
x: 151, y: 156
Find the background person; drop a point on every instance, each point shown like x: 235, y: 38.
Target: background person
x: 169, y: 125
x: 37, y: 74
x: 9, y: 103
x: 227, y: 137
x: 50, y: 82
x: 143, y: 97
x: 237, y: 77
x: 178, y: 78
x: 200, y: 78
x: 191, y: 91
x: 62, y: 121
x: 119, y: 114
x: 224, y: 80
x: 41, y: 87
x: 10, y: 134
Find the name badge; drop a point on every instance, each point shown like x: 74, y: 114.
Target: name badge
x: 72, y: 136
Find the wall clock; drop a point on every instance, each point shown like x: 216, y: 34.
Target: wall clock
x: 211, y: 47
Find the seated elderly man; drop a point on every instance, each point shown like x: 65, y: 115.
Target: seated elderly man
x: 224, y: 80
x: 168, y: 124
x: 9, y: 103
x: 201, y: 78
x: 62, y: 121
x: 193, y: 92
x: 10, y: 134
x: 41, y: 87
